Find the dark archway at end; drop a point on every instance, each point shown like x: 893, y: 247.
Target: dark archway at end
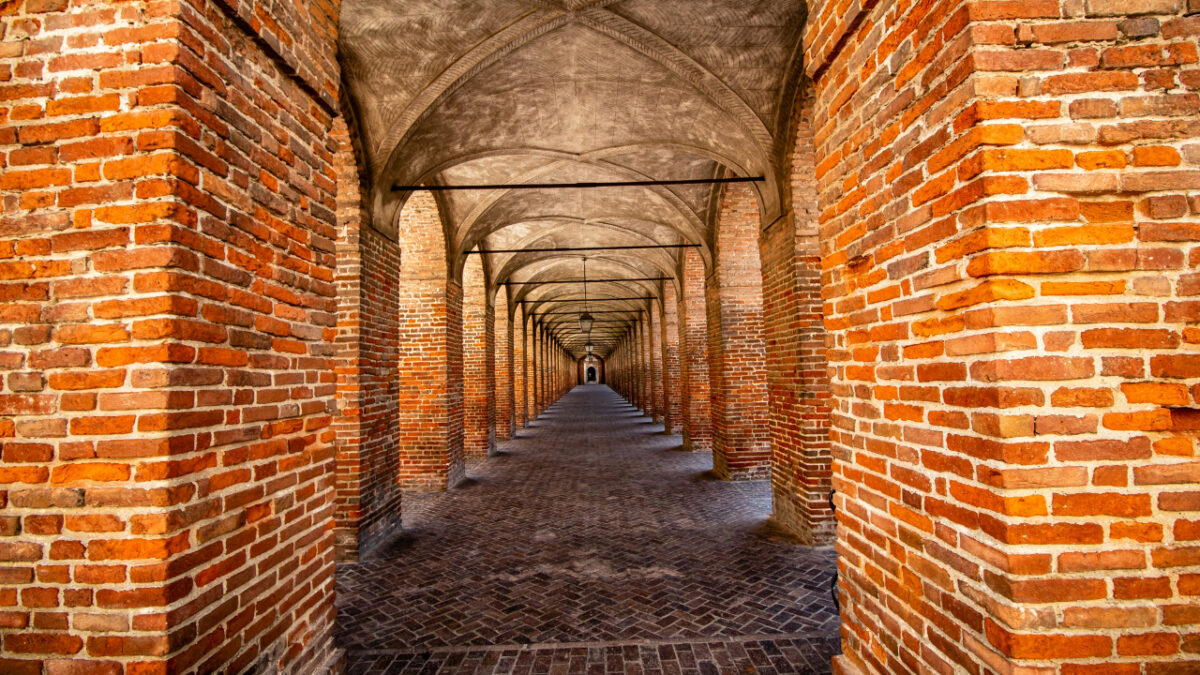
x: 590, y: 370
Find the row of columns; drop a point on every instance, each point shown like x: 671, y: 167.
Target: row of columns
x: 661, y: 363
x: 473, y: 367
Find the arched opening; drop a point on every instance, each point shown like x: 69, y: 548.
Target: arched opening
x: 591, y: 374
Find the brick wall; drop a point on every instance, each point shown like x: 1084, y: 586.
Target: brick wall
x: 654, y: 343
x: 478, y: 379
x: 797, y: 371
x: 736, y: 349
x: 642, y: 369
x: 169, y: 254
x: 368, y: 497
x: 535, y: 365
x: 430, y: 364
x: 504, y: 367
x: 670, y: 358
x: 520, y: 368
x: 693, y: 348
x: 302, y: 37
x: 1008, y: 230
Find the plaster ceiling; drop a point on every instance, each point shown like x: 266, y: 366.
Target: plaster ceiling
x: 469, y: 92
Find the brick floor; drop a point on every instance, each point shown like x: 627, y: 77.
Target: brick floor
x: 591, y: 545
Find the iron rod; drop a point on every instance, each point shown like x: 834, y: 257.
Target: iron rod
x: 568, y: 249
x: 579, y: 186
x: 580, y: 281
x: 594, y: 311
x: 645, y: 297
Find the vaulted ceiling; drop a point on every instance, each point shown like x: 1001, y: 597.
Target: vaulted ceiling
x: 471, y: 92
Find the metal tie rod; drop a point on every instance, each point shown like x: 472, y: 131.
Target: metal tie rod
x: 578, y: 186
x: 567, y: 249
x: 644, y: 297
x: 580, y: 281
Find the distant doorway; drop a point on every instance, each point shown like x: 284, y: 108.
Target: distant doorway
x: 591, y: 374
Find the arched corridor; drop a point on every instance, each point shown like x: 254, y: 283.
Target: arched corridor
x: 589, y: 534
x: 279, y: 280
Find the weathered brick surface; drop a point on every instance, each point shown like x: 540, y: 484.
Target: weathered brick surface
x: 367, y: 342
x: 479, y: 385
x: 741, y: 443
x: 430, y: 366
x: 503, y: 350
x: 654, y: 331
x: 693, y: 361
x: 301, y: 36
x: 169, y: 255
x: 797, y: 370
x: 672, y: 417
x: 538, y: 364
x: 1008, y: 236
x: 520, y: 368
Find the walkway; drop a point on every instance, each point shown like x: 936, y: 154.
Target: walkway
x: 591, y: 545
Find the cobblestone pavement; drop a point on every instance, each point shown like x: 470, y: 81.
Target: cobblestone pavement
x: 590, y: 545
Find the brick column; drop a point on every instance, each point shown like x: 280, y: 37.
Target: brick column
x: 522, y: 356
x: 431, y: 395
x: 672, y: 419
x: 167, y: 319
x: 1009, y: 278
x: 645, y: 368
x: 535, y: 362
x: 694, y: 399
x: 639, y: 366
x: 543, y: 368
x: 368, y: 498
x: 653, y: 334
x: 477, y: 390
x: 736, y: 348
x: 506, y: 367
x: 797, y: 370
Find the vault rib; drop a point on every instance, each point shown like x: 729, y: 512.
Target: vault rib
x: 650, y: 44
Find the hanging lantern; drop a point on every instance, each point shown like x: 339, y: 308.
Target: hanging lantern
x: 589, y: 348
x: 585, y: 319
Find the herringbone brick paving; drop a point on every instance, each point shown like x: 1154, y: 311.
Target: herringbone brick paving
x: 591, y: 545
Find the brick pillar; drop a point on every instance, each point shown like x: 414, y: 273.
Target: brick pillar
x: 539, y: 370
x: 477, y: 390
x: 506, y: 367
x: 672, y: 419
x: 639, y: 366
x: 736, y: 348
x: 694, y: 399
x: 524, y: 370
x: 431, y: 396
x: 1009, y: 279
x: 368, y: 498
x: 797, y: 371
x: 534, y: 362
x: 653, y: 335
x: 544, y: 369
x: 614, y: 370
x: 490, y: 372
x: 643, y: 369
x: 166, y: 330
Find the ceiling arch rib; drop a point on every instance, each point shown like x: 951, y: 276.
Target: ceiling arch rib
x: 468, y: 233
x: 469, y: 64
x: 571, y: 89
x: 664, y: 261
